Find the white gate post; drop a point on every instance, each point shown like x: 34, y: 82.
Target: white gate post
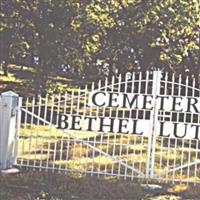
x: 153, y: 126
x: 9, y: 128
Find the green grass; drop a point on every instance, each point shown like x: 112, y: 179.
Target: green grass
x: 23, y: 81
x: 49, y: 147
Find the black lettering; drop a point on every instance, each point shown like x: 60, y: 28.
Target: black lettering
x: 94, y: 98
x: 147, y: 101
x: 102, y: 124
x: 62, y: 122
x: 197, y: 137
x: 175, y: 130
x: 90, y: 119
x: 135, y: 128
x: 121, y: 125
x: 75, y: 121
x: 161, y: 130
x: 113, y: 99
x: 126, y: 99
x: 190, y: 104
x: 162, y: 98
x: 175, y: 103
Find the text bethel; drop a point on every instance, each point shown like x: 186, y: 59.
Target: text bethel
x: 140, y: 126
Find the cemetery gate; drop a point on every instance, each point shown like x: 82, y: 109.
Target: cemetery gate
x: 137, y: 126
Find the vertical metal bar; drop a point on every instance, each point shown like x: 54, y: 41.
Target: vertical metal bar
x: 175, y: 145
x: 101, y: 138
x: 56, y: 132
x: 66, y: 110
x: 197, y: 142
x: 86, y: 99
x: 128, y: 135
x: 67, y: 153
x: 135, y: 137
x: 161, y: 156
x: 24, y: 131
x: 44, y: 136
x: 108, y: 135
x: 175, y: 155
x: 189, y: 160
x: 37, y: 132
x: 81, y: 139
x: 120, y: 154
x: 62, y: 137
x: 143, y: 111
x: 94, y: 141
x: 115, y: 134
x: 153, y: 126
x: 168, y: 157
x: 120, y: 143
x: 17, y: 134
x: 49, y: 157
x: 182, y: 157
x: 32, y: 128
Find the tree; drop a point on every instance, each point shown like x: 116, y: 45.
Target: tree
x: 146, y: 34
x: 97, y: 38
x: 38, y: 28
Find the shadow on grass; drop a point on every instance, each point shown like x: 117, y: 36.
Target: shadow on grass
x: 32, y: 185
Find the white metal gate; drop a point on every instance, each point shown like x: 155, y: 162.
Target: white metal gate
x: 178, y: 159
x: 42, y: 145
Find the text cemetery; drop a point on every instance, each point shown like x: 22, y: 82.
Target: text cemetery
x: 178, y: 116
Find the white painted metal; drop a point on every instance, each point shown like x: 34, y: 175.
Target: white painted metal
x: 153, y: 126
x: 9, y: 128
x: 122, y: 155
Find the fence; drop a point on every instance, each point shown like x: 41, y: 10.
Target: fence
x: 137, y: 126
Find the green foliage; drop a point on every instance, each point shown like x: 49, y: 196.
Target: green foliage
x: 124, y: 35
x: 177, y: 26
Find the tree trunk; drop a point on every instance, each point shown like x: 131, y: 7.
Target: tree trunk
x: 41, y: 77
x: 5, y: 69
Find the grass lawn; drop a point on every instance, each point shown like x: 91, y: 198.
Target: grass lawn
x: 35, y: 185
x: 22, y: 81
x: 44, y: 146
